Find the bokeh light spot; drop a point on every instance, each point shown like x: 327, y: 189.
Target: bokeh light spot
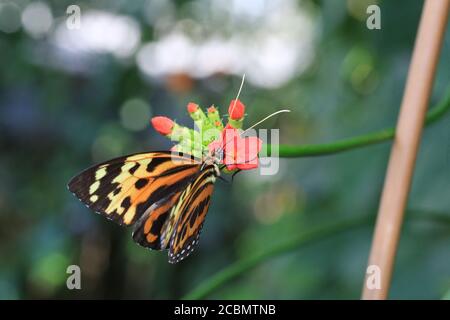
x: 37, y: 19
x: 9, y: 17
x: 111, y: 142
x: 357, y: 8
x: 101, y: 32
x: 135, y: 114
x: 50, y: 271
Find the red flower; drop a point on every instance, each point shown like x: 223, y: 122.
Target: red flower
x: 238, y: 152
x: 163, y: 125
x: 236, y: 109
x: 192, y: 107
x: 212, y: 109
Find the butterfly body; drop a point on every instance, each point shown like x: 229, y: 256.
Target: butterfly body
x: 165, y: 197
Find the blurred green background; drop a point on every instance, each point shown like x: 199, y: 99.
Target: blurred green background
x: 71, y: 98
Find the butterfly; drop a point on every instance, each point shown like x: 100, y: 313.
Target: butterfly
x: 164, y: 195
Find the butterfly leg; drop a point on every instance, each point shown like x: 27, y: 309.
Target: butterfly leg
x: 223, y: 179
x: 237, y: 171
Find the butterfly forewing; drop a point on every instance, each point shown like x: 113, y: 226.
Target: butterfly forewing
x: 123, y: 189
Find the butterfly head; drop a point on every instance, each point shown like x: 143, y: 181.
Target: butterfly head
x: 214, y: 158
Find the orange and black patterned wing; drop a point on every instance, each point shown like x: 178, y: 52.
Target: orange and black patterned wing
x: 189, y: 214
x: 125, y: 188
x: 149, y: 230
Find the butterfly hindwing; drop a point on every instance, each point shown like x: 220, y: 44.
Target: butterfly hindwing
x: 149, y: 229
x: 189, y: 215
x: 125, y: 188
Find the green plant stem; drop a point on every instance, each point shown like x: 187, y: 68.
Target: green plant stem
x: 308, y: 150
x: 312, y: 235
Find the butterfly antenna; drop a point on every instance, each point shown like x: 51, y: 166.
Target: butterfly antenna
x: 259, y: 122
x: 238, y: 94
x: 268, y: 117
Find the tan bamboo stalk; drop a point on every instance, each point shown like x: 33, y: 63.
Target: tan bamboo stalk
x: 404, y: 150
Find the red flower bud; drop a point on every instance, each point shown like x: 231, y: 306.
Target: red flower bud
x: 212, y: 109
x: 163, y: 125
x: 192, y: 107
x: 236, y: 109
